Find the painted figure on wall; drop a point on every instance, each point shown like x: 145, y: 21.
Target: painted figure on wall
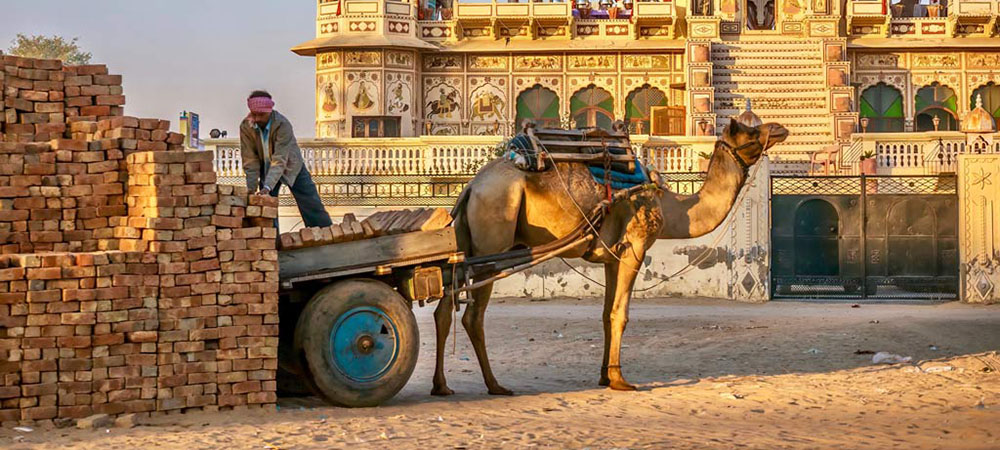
x: 398, y: 102
x: 363, y: 99
x: 329, y: 99
x: 487, y: 106
x: 444, y: 106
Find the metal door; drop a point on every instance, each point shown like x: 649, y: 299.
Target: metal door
x: 889, y: 237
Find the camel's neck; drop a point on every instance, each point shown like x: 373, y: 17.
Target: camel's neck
x: 688, y: 216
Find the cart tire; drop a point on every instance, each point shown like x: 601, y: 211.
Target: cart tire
x: 359, y: 341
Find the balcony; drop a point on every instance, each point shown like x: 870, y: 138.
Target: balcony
x: 912, y: 18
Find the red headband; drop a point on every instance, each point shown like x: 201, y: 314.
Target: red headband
x: 260, y: 104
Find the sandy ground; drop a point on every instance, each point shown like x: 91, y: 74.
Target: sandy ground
x: 712, y: 374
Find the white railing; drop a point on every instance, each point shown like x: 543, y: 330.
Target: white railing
x: 918, y: 152
x: 442, y: 155
x: 431, y: 156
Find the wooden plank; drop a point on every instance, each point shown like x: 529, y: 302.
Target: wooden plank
x: 580, y: 157
x: 596, y: 144
x: 365, y: 253
x: 439, y: 219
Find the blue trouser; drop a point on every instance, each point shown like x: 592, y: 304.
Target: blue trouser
x: 307, y: 199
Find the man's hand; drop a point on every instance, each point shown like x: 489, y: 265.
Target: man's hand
x: 264, y: 192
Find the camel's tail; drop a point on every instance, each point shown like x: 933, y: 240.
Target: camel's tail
x: 460, y: 221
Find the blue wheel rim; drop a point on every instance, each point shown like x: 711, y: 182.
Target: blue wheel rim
x: 364, y: 343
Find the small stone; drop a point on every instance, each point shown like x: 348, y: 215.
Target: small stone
x: 94, y: 421
x: 63, y: 422
x: 128, y: 421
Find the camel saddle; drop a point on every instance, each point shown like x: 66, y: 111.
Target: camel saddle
x: 608, y: 155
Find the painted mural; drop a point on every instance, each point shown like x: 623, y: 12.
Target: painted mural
x: 363, y: 92
x: 398, y: 93
x: 487, y: 99
x: 328, y: 95
x: 442, y: 99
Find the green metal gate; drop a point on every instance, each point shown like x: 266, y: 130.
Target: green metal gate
x: 875, y: 237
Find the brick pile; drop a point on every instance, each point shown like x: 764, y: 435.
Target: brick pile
x: 33, y: 94
x: 129, y: 280
x: 378, y: 224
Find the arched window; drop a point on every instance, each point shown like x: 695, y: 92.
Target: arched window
x: 991, y: 99
x: 936, y: 101
x: 592, y: 107
x: 882, y: 105
x: 538, y: 104
x: 638, y: 106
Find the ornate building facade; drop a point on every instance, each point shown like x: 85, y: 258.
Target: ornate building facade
x: 389, y: 68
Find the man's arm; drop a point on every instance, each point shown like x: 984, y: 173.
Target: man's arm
x: 284, y: 141
x: 251, y: 163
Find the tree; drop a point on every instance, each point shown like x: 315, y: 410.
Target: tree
x: 45, y: 47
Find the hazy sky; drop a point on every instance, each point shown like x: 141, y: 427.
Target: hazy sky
x: 174, y: 55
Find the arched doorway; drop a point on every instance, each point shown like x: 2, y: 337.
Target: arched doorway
x: 817, y: 245
x: 592, y: 107
x: 991, y: 99
x: 539, y: 104
x: 938, y: 101
x: 882, y: 105
x: 639, y: 105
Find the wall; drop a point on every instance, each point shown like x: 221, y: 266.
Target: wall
x: 979, y: 227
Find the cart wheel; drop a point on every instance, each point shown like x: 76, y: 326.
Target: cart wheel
x: 360, y: 342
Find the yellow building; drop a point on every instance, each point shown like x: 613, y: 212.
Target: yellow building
x: 393, y: 68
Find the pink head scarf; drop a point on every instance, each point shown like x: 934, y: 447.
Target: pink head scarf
x: 260, y: 105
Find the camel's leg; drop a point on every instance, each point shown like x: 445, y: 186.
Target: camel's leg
x: 627, y: 270
x: 610, y: 281
x: 473, y: 322
x: 442, y: 324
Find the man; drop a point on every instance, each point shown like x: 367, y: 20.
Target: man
x: 271, y: 156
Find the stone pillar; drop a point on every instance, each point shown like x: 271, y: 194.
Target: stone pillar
x: 979, y: 227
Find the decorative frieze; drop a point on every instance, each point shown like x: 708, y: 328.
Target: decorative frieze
x: 645, y: 62
x: 601, y: 62
x: 363, y: 58
x: 934, y: 60
x: 539, y: 63
x: 399, y: 59
x: 879, y: 60
x: 443, y: 63
x: 983, y: 60
x: 489, y: 62
x: 328, y: 60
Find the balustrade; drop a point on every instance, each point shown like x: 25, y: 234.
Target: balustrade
x: 916, y: 153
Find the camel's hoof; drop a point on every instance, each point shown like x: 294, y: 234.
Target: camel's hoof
x: 621, y: 385
x: 605, y: 381
x: 442, y: 391
x: 500, y: 390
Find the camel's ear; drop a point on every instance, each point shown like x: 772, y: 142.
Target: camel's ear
x: 733, y: 127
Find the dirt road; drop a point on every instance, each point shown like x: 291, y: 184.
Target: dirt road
x: 711, y: 374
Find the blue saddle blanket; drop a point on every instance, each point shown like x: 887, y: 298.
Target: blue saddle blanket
x: 621, y: 180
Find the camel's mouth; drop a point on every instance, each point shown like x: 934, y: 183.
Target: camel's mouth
x: 776, y: 134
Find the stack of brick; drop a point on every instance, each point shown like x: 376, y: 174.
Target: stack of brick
x: 248, y: 302
x: 93, y: 94
x: 92, y: 190
x: 87, y: 329
x: 33, y: 98
x: 170, y: 299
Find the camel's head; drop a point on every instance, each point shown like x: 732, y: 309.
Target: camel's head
x: 740, y: 137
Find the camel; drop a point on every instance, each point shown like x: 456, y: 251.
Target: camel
x: 503, y: 207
